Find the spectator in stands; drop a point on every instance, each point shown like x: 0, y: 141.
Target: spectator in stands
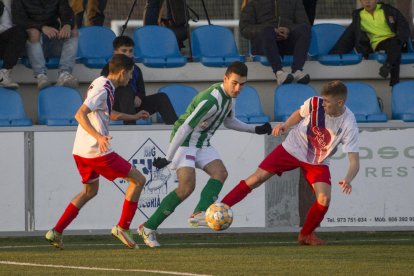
x: 48, y: 24
x: 376, y: 27
x: 132, y: 98
x: 170, y: 14
x: 310, y: 8
x: 152, y: 11
x: 277, y: 28
x: 406, y: 8
x: 12, y: 41
x: 94, y: 10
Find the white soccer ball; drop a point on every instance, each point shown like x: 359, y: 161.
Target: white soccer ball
x: 219, y: 216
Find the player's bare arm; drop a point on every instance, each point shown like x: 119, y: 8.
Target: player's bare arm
x: 82, y: 117
x: 353, y: 169
x: 115, y: 115
x: 291, y: 121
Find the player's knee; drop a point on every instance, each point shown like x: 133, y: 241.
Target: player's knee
x: 324, y: 199
x: 136, y: 177
x: 221, y: 175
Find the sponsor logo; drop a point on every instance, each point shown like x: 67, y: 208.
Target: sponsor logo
x: 158, y: 182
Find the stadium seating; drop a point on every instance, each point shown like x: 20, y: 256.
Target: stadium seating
x: 12, y: 110
x: 157, y: 46
x: 324, y: 37
x: 363, y: 102
x: 180, y: 96
x: 406, y: 57
x: 403, y: 101
x: 137, y: 122
x: 249, y: 107
x: 214, y: 46
x: 95, y: 46
x: 289, y: 97
x: 57, y: 106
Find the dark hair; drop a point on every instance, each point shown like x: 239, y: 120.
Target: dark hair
x: 122, y: 40
x: 335, y: 88
x: 120, y: 62
x: 238, y: 68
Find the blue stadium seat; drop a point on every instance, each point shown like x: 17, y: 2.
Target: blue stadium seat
x: 287, y: 60
x: 214, y: 46
x: 324, y: 37
x: 249, y: 107
x: 138, y: 122
x: 290, y: 97
x: 406, y: 58
x: 12, y: 110
x: 157, y: 47
x: 180, y: 96
x: 95, y: 46
x: 363, y: 102
x: 57, y: 106
x: 403, y: 101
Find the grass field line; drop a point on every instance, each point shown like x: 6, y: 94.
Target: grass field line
x: 101, y: 268
x: 211, y: 243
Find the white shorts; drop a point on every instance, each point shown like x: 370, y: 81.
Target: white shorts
x: 193, y: 157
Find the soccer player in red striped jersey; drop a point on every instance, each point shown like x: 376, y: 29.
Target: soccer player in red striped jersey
x: 94, y: 156
x: 320, y: 125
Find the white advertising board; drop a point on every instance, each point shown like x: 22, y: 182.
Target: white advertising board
x: 12, y: 187
x: 383, y: 190
x: 57, y: 180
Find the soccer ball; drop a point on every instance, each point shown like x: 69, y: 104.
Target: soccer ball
x: 219, y: 216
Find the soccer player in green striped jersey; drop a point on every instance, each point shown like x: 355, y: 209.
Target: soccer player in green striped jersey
x: 190, y: 149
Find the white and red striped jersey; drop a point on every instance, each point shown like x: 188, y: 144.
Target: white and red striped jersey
x: 315, y: 138
x: 99, y: 99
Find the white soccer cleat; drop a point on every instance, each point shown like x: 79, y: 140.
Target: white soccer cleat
x: 55, y: 238
x: 124, y: 236
x: 198, y: 220
x: 148, y: 235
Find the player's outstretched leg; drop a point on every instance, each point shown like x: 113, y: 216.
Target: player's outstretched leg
x: 55, y: 238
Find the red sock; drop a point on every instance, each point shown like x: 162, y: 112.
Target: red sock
x: 128, y: 212
x: 67, y: 217
x: 314, y: 218
x: 237, y: 194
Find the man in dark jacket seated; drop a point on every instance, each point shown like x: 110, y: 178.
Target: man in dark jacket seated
x: 277, y: 28
x: 376, y: 27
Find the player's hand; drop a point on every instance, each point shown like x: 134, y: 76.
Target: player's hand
x: 160, y: 162
x: 103, y: 142
x: 279, y: 130
x: 263, y: 129
x: 142, y: 115
x: 345, y: 186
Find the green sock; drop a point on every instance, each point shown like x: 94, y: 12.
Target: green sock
x: 166, y: 208
x: 209, y: 194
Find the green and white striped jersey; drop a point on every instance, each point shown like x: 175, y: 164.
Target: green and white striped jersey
x: 205, y: 114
